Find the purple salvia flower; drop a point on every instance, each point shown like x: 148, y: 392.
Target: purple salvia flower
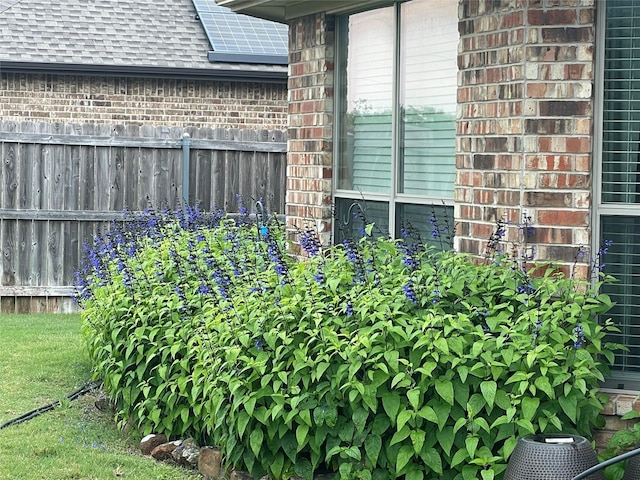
x: 310, y: 242
x: 410, y: 293
x: 348, y: 309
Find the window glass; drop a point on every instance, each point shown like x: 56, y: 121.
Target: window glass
x: 352, y: 216
x: 620, y: 181
x: 396, y: 88
x: 428, y: 89
x: 621, y: 261
x: 434, y: 224
x: 365, y: 162
x: 621, y: 109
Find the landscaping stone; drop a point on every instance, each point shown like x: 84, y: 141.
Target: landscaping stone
x: 103, y: 403
x: 240, y: 475
x: 164, y: 451
x: 151, y: 441
x: 187, y: 454
x: 325, y: 476
x: 210, y: 463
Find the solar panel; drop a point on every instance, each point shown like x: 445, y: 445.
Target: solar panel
x: 241, y: 38
x: 7, y: 4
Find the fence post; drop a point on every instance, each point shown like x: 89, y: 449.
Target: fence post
x: 186, y: 144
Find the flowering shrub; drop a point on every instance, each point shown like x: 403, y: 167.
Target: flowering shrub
x: 375, y: 358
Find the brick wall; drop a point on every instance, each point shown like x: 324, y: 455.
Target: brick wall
x: 620, y: 403
x: 142, y: 101
x: 309, y: 162
x: 525, y: 121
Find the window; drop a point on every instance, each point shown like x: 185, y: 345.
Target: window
x: 618, y: 191
x: 397, y: 84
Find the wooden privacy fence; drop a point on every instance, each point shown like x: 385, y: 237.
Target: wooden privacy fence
x: 62, y: 183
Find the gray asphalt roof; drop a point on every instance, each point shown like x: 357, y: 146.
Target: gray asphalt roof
x: 109, y: 33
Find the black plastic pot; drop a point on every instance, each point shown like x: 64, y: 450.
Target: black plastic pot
x: 552, y: 457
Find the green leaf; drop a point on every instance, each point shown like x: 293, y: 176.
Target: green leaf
x: 417, y: 439
x: 526, y: 427
x: 404, y: 457
x: 461, y: 422
x: 442, y: 411
x: 381, y: 424
x: 414, y: 398
x: 569, y: 406
x: 502, y: 399
x: 249, y: 405
x: 255, y: 441
x: 243, y: 420
x: 276, y: 465
x: 370, y: 397
x: 543, y: 384
x: 529, y: 407
x: 489, y: 389
x: 431, y: 458
x: 441, y: 344
x: 321, y: 367
x: 403, y: 418
x: 460, y: 456
x: 487, y: 474
x: 445, y: 439
x: 369, y: 229
x: 353, y: 452
x: 391, y: 356
x: 482, y: 423
x: 359, y: 418
x: 469, y: 472
x: 428, y: 413
x: 463, y: 372
x: 303, y: 468
x: 414, y: 475
x: 391, y: 404
x: 301, y: 435
x: 472, y: 444
x: 400, y: 435
x: 630, y: 415
x: 509, y: 444
x: 445, y: 390
x: 290, y: 445
x: 372, y: 447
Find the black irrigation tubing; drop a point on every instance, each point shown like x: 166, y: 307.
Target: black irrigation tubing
x: 87, y: 387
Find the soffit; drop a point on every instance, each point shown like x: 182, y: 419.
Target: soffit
x: 284, y: 10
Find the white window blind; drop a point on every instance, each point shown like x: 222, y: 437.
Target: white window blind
x: 429, y: 41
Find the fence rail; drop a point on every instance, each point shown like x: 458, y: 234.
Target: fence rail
x: 60, y: 184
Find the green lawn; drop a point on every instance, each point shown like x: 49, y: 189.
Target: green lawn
x: 41, y: 361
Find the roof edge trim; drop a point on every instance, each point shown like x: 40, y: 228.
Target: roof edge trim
x: 248, y: 75
x: 248, y: 58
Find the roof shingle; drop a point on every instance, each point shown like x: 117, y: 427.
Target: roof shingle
x: 109, y: 33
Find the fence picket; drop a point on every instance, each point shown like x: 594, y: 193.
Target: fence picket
x: 62, y: 183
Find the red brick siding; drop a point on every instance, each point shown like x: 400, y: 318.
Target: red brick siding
x: 150, y: 101
x: 309, y: 163
x: 525, y: 120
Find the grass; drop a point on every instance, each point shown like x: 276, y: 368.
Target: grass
x: 42, y: 360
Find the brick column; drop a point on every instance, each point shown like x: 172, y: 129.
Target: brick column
x: 309, y: 161
x: 524, y: 136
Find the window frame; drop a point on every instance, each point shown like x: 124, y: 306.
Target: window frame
x: 393, y: 197
x: 617, y: 379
